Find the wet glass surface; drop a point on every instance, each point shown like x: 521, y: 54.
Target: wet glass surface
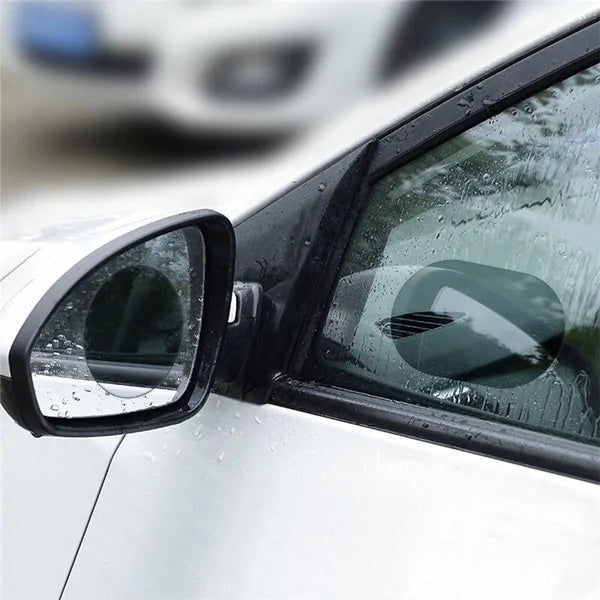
x: 519, y: 192
x: 124, y: 338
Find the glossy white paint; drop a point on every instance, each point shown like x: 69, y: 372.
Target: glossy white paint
x: 48, y: 487
x: 263, y: 502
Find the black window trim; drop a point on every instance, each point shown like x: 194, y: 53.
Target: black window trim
x: 487, y: 96
x: 481, y: 436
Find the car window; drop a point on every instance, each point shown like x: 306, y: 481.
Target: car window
x: 472, y: 279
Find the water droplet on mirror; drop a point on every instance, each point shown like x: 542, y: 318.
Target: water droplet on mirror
x: 222, y: 456
x: 257, y: 420
x: 54, y: 407
x: 321, y: 187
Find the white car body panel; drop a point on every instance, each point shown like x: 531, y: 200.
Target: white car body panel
x: 48, y: 490
x: 266, y: 502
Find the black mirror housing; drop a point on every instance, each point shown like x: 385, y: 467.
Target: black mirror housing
x: 18, y: 393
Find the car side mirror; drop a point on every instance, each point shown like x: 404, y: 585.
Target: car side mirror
x: 128, y: 338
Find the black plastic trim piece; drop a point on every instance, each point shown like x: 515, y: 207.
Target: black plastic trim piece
x: 485, y: 97
x: 18, y: 396
x: 286, y: 248
x: 465, y: 432
x: 241, y: 333
x: 132, y: 64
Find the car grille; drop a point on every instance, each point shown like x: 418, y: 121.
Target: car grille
x: 121, y: 64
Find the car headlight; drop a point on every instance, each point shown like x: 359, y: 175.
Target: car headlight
x: 259, y: 73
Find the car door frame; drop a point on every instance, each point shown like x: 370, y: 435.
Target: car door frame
x: 298, y: 285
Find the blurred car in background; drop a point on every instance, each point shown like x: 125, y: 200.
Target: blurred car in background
x: 251, y: 67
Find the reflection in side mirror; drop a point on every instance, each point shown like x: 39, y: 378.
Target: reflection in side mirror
x: 128, y: 338
x: 124, y: 338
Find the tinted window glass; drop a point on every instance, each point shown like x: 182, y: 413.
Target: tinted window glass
x: 472, y: 278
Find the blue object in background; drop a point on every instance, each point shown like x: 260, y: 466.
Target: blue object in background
x: 56, y: 30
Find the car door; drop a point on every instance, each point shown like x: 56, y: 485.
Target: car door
x: 344, y: 462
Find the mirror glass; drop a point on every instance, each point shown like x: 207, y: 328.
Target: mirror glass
x: 125, y: 338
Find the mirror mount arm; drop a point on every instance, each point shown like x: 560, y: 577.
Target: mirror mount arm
x: 241, y: 332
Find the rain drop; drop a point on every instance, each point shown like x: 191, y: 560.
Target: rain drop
x: 149, y: 456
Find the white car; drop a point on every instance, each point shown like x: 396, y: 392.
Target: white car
x: 251, y: 67
x: 400, y: 326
